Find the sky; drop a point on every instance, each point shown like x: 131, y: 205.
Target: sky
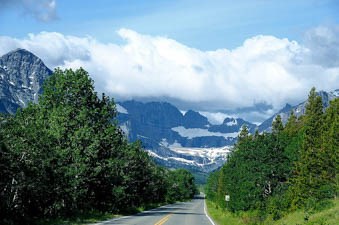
x: 247, y: 57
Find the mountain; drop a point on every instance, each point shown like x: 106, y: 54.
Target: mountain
x: 175, y: 139
x: 298, y: 110
x: 21, y: 78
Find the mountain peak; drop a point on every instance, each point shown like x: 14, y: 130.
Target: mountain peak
x: 20, y: 50
x: 22, y: 75
x: 194, y: 119
x: 21, y: 55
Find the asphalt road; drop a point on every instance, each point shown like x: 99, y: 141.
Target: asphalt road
x: 183, y: 213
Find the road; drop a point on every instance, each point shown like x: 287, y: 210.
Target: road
x: 183, y: 213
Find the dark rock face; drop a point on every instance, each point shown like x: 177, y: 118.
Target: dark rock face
x: 157, y: 123
x: 150, y: 122
x: 21, y: 77
x: 194, y: 119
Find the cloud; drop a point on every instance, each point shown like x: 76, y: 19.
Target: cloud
x: 323, y: 43
x: 41, y: 10
x: 216, y: 118
x: 264, y: 70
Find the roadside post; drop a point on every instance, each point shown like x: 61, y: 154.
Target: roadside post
x: 227, y: 199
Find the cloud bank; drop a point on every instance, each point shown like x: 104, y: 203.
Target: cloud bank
x: 263, y: 70
x: 41, y: 10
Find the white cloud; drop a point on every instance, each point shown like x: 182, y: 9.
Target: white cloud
x: 265, y: 69
x: 216, y: 118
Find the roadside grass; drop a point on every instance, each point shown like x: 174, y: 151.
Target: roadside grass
x: 328, y: 216
x: 220, y: 216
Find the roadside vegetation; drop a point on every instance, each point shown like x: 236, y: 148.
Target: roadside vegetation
x: 66, y: 156
x: 326, y: 216
x: 288, y: 176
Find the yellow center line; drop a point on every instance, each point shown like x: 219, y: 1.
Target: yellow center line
x: 163, y: 220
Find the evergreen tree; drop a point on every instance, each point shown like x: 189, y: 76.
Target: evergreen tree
x: 291, y: 126
x: 310, y: 172
x: 330, y: 149
x: 277, y: 125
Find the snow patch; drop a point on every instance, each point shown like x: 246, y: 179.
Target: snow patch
x: 155, y: 155
x: 121, y: 109
x: 198, y: 132
x: 176, y: 144
x: 183, y: 112
x: 212, y: 157
x: 20, y: 100
x: 211, y: 154
x: 233, y: 122
x: 183, y: 160
x: 164, y: 142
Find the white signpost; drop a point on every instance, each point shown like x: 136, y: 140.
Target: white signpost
x: 227, y: 199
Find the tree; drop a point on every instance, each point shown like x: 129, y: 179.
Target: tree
x: 66, y: 155
x: 329, y: 147
x: 310, y: 171
x: 277, y: 125
x: 180, y: 185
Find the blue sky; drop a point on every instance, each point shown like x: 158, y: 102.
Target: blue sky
x: 207, y: 55
x: 206, y: 25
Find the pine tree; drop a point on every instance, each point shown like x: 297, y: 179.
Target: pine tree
x: 244, y: 133
x: 310, y: 173
x: 330, y: 149
x: 277, y: 125
x: 291, y: 126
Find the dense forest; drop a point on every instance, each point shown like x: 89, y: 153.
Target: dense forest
x: 293, y: 167
x: 66, y: 155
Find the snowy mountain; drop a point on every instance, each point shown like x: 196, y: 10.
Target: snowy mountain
x: 177, y: 139
x: 21, y: 77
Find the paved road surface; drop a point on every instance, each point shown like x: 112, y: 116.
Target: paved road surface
x: 183, y: 213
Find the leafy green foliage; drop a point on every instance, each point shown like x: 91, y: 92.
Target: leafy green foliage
x: 66, y: 155
x: 181, y: 185
x: 293, y: 167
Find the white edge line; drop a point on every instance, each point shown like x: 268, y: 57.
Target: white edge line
x: 207, y: 213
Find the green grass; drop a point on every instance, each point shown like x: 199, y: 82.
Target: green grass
x: 220, y: 216
x: 328, y: 216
